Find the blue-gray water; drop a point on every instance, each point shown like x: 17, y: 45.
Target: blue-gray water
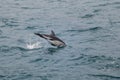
x: 90, y: 28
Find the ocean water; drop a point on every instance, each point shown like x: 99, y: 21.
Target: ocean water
x: 90, y: 28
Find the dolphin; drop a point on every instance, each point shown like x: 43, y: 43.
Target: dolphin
x: 52, y: 39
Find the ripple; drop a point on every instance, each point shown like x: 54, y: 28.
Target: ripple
x: 0, y: 32
x: 36, y: 60
x: 106, y: 76
x: 54, y: 1
x: 97, y: 10
x: 30, y: 28
x: 52, y: 50
x: 116, y: 3
x: 97, y: 62
x: 88, y: 16
x: 2, y: 76
x: 77, y: 58
x: 83, y: 30
x: 4, y: 49
x: 102, y: 5
x: 24, y: 76
x: 117, y: 7
x: 14, y: 73
x: 19, y: 48
x: 103, y: 62
x: 12, y: 48
x: 12, y: 22
x: 106, y: 4
x: 29, y: 8
x: 95, y: 28
x: 4, y: 37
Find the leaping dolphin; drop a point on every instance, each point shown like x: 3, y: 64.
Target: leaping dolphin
x: 52, y: 39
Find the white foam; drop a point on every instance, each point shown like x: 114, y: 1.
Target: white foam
x: 33, y: 45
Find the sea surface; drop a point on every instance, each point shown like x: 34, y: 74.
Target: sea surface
x: 90, y: 28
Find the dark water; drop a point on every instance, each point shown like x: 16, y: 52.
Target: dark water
x: 90, y: 28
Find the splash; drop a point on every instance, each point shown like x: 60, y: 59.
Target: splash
x: 33, y: 45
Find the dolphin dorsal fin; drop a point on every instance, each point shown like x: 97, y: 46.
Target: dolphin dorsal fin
x: 52, y: 33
